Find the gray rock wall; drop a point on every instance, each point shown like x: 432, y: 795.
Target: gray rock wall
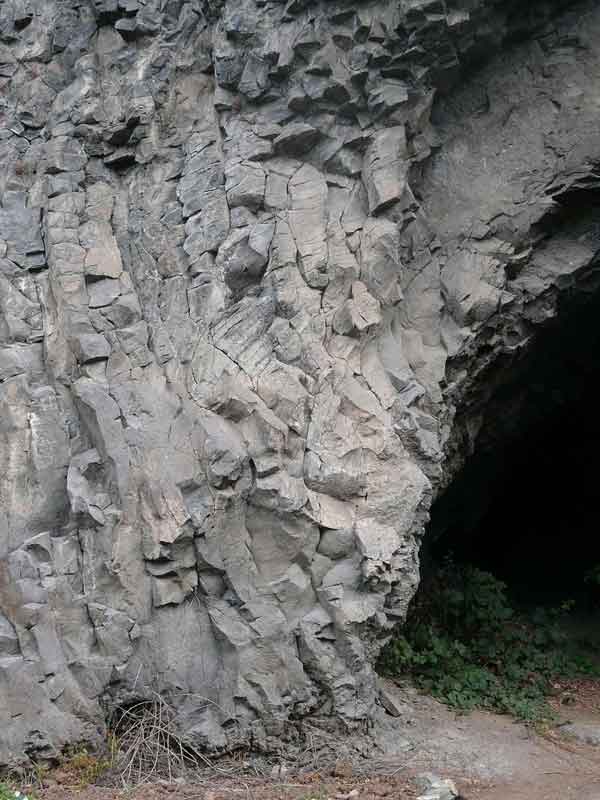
x: 245, y: 284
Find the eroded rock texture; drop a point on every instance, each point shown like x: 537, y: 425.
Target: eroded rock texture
x: 246, y: 282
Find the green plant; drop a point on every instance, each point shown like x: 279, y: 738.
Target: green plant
x: 467, y: 646
x: 7, y: 793
x: 593, y: 575
x: 319, y: 793
x: 83, y: 768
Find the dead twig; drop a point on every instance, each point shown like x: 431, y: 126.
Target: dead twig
x: 150, y: 747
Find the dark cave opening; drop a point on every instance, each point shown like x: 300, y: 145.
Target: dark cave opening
x: 539, y: 528
x: 526, y: 504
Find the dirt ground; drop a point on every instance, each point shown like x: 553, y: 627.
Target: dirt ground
x: 492, y: 757
x: 488, y: 757
x: 319, y: 787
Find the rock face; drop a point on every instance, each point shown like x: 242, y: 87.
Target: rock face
x: 245, y: 285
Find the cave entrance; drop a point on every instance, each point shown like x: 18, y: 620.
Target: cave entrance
x: 526, y: 504
x: 522, y: 502
x: 539, y: 530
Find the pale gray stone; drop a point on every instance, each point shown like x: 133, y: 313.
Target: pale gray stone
x: 64, y: 154
x: 308, y: 220
x: 9, y: 643
x: 295, y: 139
x: 358, y: 313
x: 244, y: 255
x: 337, y: 543
x: 391, y: 702
x: 585, y: 732
x: 103, y: 292
x: 90, y: 346
x: 86, y: 494
x: 245, y: 184
x: 250, y: 293
x: 434, y: 788
x: 381, y: 265
x: 207, y: 229
x: 385, y: 168
x: 102, y: 258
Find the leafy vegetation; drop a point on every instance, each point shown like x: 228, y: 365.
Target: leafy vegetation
x: 467, y: 646
x: 593, y: 575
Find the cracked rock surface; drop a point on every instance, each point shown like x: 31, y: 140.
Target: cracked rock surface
x: 254, y: 257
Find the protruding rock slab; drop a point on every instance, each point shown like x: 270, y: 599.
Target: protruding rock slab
x: 385, y: 168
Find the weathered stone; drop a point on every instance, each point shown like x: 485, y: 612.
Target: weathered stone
x: 308, y: 219
x: 9, y: 643
x: 296, y: 138
x: 101, y: 416
x: 385, y: 169
x: 337, y: 543
x: 240, y: 354
x: 255, y: 78
x: 359, y: 313
x: 99, y: 201
x: 203, y: 174
x: 90, y: 346
x: 64, y: 154
x: 391, y: 702
x: 434, y: 788
x: 207, y: 229
x: 173, y: 591
x: 386, y: 97
x: 245, y: 184
x: 134, y: 340
x: 103, y: 292
x: 20, y: 230
x: 381, y: 266
x: 86, y: 492
x: 585, y: 732
x: 123, y: 311
x: 244, y: 142
x: 244, y: 255
x: 102, y: 258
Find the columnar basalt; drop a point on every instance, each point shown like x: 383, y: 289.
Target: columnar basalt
x: 246, y: 282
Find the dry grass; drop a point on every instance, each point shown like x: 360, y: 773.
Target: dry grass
x: 148, y: 746
x: 83, y: 768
